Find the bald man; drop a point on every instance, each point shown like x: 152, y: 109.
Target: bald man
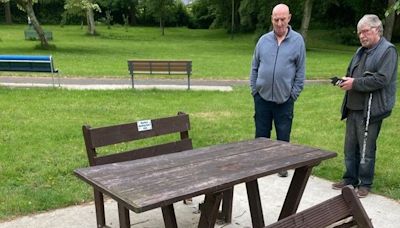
x: 277, y: 76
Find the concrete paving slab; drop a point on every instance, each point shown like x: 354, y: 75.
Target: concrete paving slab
x: 384, y: 212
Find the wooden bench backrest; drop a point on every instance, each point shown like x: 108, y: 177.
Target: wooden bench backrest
x: 115, y: 134
x: 160, y: 66
x: 330, y: 213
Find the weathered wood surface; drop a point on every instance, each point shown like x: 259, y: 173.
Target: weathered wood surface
x: 329, y: 212
x: 153, y: 182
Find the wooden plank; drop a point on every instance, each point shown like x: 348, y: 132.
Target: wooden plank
x: 253, y: 194
x: 321, y: 215
x: 188, y: 157
x: 210, y: 209
x: 110, y: 135
x: 296, y: 190
x: 161, y: 149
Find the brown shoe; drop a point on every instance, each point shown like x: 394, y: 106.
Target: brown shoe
x: 362, y: 192
x: 339, y: 185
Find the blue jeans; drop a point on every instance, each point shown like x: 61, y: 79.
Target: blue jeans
x: 280, y: 114
x: 358, y: 174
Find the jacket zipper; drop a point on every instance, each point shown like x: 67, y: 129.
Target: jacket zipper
x: 273, y: 73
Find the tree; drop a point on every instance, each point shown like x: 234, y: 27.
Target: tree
x: 120, y: 8
x: 160, y: 9
x: 79, y: 7
x: 27, y: 6
x: 7, y: 13
x: 306, y: 18
x: 390, y: 19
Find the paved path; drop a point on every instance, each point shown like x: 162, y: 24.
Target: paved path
x: 119, y: 83
x: 108, y: 83
x: 384, y: 212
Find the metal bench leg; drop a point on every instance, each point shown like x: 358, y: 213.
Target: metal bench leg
x: 169, y: 216
x: 188, y: 81
x: 123, y: 214
x: 210, y: 209
x: 253, y: 194
x: 133, y: 82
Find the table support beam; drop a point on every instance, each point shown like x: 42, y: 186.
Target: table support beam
x: 210, y: 210
x: 227, y: 201
x: 123, y: 214
x: 253, y: 194
x: 169, y: 216
x: 295, y: 192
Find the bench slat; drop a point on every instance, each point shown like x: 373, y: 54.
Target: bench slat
x: 167, y: 148
x: 127, y: 132
x: 339, y: 211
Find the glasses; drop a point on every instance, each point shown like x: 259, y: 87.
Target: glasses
x: 365, y: 31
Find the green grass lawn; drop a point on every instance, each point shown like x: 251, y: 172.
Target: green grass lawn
x: 41, y: 141
x: 214, y: 54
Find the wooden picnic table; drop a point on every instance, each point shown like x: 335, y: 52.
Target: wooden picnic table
x: 144, y: 184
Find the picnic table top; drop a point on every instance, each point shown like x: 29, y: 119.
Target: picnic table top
x: 148, y: 183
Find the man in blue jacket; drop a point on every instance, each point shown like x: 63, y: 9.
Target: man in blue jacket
x: 277, y: 76
x: 370, y: 87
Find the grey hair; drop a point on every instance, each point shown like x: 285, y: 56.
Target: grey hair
x: 371, y: 20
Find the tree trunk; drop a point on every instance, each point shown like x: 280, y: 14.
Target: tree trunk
x: 132, y: 14
x: 36, y: 25
x: 7, y: 13
x: 162, y: 25
x: 389, y: 22
x: 306, y: 18
x: 90, y: 21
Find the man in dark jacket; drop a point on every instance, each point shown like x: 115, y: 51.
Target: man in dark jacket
x: 370, y: 87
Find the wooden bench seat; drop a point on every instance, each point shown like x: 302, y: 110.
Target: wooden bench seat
x: 169, y: 67
x: 344, y: 210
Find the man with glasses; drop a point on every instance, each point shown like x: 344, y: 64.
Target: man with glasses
x: 370, y: 91
x: 277, y: 76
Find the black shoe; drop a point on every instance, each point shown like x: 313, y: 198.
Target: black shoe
x: 283, y: 173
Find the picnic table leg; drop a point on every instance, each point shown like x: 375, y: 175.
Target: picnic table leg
x: 227, y: 202
x: 253, y: 194
x: 99, y: 205
x: 295, y: 192
x: 123, y: 214
x: 210, y: 209
x: 169, y: 216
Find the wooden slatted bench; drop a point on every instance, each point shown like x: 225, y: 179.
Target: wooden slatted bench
x: 344, y: 210
x: 169, y: 67
x: 95, y: 138
x: 28, y: 63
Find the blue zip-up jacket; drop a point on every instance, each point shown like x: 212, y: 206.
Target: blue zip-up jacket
x: 278, y: 72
